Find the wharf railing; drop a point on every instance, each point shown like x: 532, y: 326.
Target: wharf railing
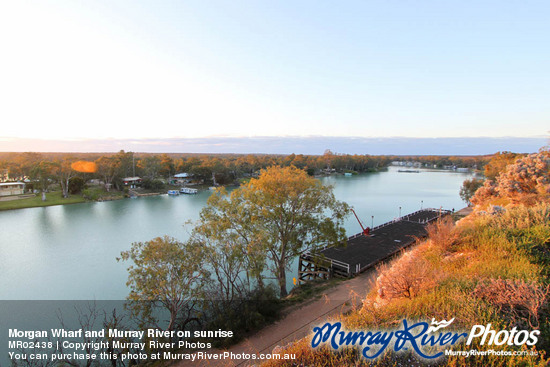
x: 342, y: 268
x: 324, y: 261
x: 406, y: 217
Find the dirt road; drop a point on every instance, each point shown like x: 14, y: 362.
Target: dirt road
x: 298, y: 323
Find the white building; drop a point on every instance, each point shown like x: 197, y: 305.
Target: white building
x: 12, y: 188
x: 181, y: 178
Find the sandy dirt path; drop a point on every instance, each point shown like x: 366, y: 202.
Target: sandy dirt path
x: 298, y: 323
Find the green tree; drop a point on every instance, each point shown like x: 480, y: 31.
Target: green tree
x: 42, y: 172
x: 328, y: 157
x: 231, y: 239
x: 23, y: 164
x: 63, y: 171
x: 468, y: 189
x: 151, y: 166
x: 149, y: 184
x: 76, y: 185
x: 125, y: 164
x: 165, y: 274
x: 276, y: 216
x: 108, y: 168
x: 295, y: 212
x: 167, y: 166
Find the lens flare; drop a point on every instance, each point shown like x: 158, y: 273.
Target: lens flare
x: 84, y: 166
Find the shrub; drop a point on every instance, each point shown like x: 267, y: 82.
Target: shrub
x: 256, y: 309
x: 519, y: 299
x: 406, y: 277
x: 527, y: 182
x: 76, y: 185
x: 442, y: 233
x: 91, y: 194
x: 468, y: 189
x: 149, y: 184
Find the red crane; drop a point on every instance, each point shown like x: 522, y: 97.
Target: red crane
x: 366, y: 231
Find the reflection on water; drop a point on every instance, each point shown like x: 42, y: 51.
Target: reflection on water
x: 68, y: 252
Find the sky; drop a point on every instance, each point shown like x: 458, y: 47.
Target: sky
x: 214, y: 73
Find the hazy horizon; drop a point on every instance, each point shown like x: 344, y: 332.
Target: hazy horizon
x: 311, y: 145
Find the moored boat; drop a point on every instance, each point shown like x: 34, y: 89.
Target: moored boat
x: 188, y: 190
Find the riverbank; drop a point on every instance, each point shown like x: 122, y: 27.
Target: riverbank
x: 488, y: 269
x: 88, y: 195
x: 52, y: 198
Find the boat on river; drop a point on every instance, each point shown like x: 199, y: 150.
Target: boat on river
x: 188, y: 190
x: 173, y: 192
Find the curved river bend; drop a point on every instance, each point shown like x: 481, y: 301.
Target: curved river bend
x: 68, y: 252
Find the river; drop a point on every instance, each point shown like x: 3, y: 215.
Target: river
x: 69, y: 252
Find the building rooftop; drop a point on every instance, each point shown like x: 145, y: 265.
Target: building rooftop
x: 11, y: 183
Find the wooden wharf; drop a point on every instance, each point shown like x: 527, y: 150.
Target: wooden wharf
x: 363, y: 252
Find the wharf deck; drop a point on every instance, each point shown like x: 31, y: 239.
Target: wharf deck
x: 362, y: 252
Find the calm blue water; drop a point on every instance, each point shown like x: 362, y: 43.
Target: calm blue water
x: 68, y: 252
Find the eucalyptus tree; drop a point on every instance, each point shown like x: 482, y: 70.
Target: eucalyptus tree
x: 42, y: 173
x: 269, y: 220
x: 166, y: 274
x: 232, y: 244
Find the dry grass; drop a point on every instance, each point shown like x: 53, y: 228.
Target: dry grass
x: 522, y: 300
x: 480, y: 271
x: 442, y: 233
x: 406, y: 277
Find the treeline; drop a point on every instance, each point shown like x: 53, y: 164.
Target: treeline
x: 439, y: 161
x: 220, y: 168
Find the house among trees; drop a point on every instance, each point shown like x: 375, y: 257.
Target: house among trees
x: 181, y: 178
x: 132, y: 181
x: 12, y: 188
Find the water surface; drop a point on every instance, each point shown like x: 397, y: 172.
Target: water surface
x: 69, y: 252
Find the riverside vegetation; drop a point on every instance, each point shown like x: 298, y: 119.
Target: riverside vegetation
x: 492, y: 266
x: 55, y: 172
x: 241, y: 240
x: 237, y: 287
x: 221, y: 277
